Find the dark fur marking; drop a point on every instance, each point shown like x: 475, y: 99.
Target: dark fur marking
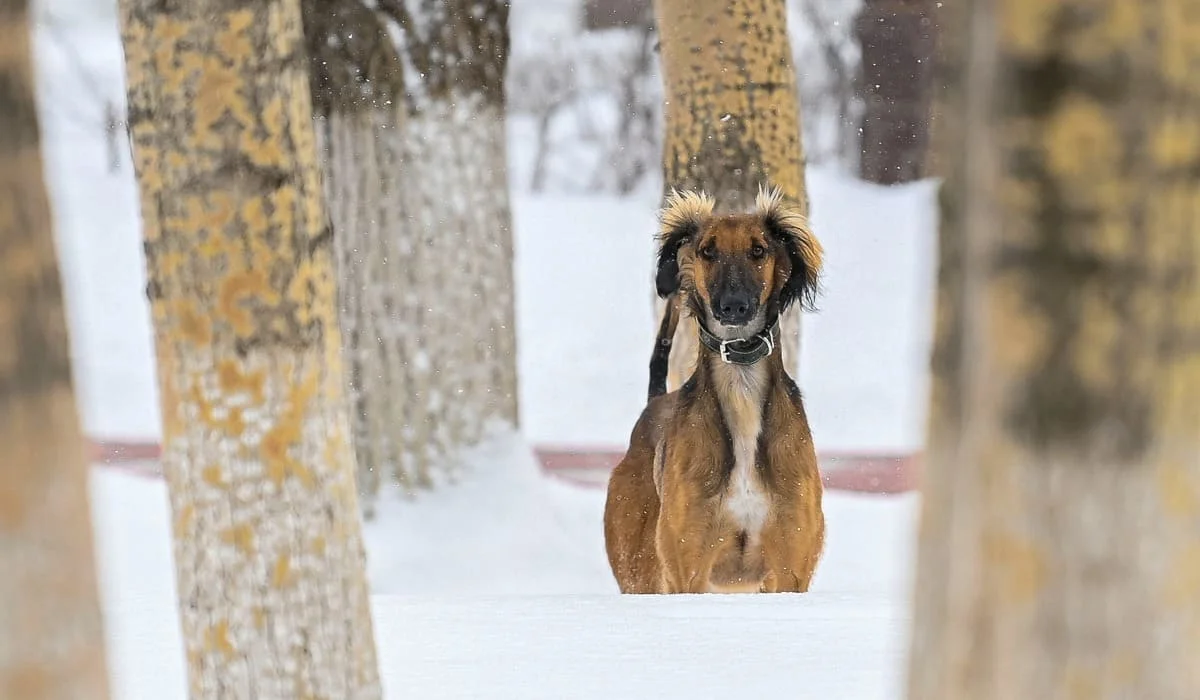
x: 761, y: 462
x: 803, y: 284
x: 695, y: 305
x: 661, y: 355
x: 659, y: 361
x: 720, y: 476
x: 725, y: 469
x: 793, y: 392
x: 666, y: 279
x: 714, y: 476
x: 688, y: 393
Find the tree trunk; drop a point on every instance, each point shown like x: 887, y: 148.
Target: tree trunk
x: 1059, y: 549
x: 51, y: 631
x: 418, y: 182
x: 380, y: 301
x: 459, y: 199
x: 268, y: 548
x: 357, y: 85
x: 897, y: 39
x: 732, y: 121
x: 456, y: 200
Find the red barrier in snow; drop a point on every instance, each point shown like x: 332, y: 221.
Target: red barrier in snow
x: 864, y: 473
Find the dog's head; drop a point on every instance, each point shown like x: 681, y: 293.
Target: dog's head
x: 736, y: 270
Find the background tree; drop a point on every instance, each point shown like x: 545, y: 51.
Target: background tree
x: 51, y: 631
x: 1059, y: 549
x: 357, y: 89
x: 897, y: 39
x: 732, y: 120
x: 268, y: 549
x: 456, y: 52
x: 418, y: 173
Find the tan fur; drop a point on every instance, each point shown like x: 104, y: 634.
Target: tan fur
x: 770, y: 203
x: 719, y: 490
x: 683, y: 208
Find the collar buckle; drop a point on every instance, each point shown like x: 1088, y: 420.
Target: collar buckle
x: 725, y: 352
x: 755, y: 347
x: 764, y: 338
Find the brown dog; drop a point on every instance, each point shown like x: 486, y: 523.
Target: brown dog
x: 719, y: 491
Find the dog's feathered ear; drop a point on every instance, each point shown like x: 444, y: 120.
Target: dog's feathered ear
x: 679, y: 221
x: 788, y: 226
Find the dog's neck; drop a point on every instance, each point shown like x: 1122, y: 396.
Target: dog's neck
x: 736, y: 387
x: 743, y: 346
x: 740, y: 392
x: 739, y: 369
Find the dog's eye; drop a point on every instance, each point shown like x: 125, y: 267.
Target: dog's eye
x: 708, y: 252
x: 757, y: 251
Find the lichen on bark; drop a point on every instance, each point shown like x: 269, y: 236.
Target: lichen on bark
x: 268, y: 548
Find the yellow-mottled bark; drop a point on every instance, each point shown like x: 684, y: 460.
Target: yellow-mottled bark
x: 1059, y: 549
x: 51, y: 632
x: 268, y: 547
x: 732, y: 121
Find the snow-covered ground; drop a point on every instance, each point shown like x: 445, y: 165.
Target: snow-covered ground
x: 813, y: 647
x: 500, y: 588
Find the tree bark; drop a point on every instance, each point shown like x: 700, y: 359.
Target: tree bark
x: 732, y: 121
x: 268, y: 548
x: 897, y: 40
x: 456, y: 172
x: 357, y: 84
x: 379, y: 300
x: 417, y: 175
x: 1059, y: 550
x: 51, y: 629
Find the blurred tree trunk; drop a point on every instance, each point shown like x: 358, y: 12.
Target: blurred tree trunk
x: 51, y: 631
x: 732, y: 121
x: 268, y: 548
x: 897, y: 39
x: 1060, y: 541
x: 446, y: 213
x: 457, y: 199
x: 358, y: 86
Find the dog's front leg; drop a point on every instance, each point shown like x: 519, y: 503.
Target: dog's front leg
x: 790, y: 553
x: 685, y: 552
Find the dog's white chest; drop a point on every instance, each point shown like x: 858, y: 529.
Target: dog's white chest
x: 745, y: 500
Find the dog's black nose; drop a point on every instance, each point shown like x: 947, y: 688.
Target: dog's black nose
x: 734, y: 308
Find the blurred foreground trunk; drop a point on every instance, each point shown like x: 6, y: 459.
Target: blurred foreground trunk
x: 51, y: 631
x: 1059, y: 550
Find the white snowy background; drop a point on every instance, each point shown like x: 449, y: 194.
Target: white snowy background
x: 499, y: 588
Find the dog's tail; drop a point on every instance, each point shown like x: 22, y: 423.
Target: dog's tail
x: 661, y: 355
